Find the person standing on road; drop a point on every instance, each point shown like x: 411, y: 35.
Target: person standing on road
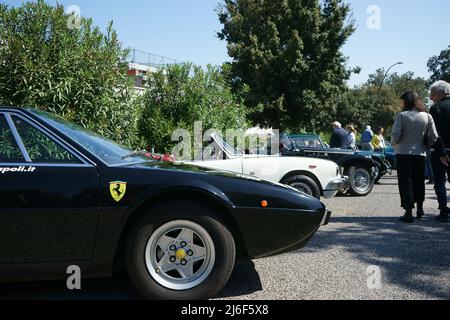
x: 366, y: 139
x: 428, y: 168
x: 351, y: 138
x: 410, y: 128
x: 440, y: 111
x: 378, y: 142
x: 339, y: 136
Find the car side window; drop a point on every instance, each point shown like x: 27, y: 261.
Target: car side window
x: 41, y: 148
x: 9, y: 150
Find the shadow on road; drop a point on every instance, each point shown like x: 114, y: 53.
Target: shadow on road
x: 414, y: 257
x: 244, y: 280
x: 434, y: 197
x: 116, y: 288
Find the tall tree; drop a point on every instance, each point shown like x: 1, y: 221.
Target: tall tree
x: 376, y: 102
x: 52, y: 61
x: 288, y: 53
x: 439, y: 66
x: 397, y: 84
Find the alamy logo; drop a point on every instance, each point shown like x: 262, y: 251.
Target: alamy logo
x: 74, y: 17
x: 21, y: 169
x: 74, y: 280
x: 374, y: 20
x: 374, y: 278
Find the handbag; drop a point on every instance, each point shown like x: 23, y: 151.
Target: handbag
x: 426, y: 136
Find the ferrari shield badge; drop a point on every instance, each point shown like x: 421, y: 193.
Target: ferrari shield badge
x: 117, y: 189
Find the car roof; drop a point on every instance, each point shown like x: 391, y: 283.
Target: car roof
x: 13, y: 108
x: 10, y: 107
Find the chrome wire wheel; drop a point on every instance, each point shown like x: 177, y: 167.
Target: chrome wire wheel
x: 303, y: 187
x: 361, y: 180
x: 180, y: 255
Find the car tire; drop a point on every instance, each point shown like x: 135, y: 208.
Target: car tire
x: 304, y: 184
x: 149, y: 249
x: 360, y: 182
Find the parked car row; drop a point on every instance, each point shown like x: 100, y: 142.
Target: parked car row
x: 359, y: 168
x: 304, y: 162
x: 315, y: 177
x: 364, y: 168
x: 69, y: 197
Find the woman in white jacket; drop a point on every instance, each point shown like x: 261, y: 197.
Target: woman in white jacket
x: 411, y: 127
x: 351, y: 140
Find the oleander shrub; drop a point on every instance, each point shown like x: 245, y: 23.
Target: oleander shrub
x: 70, y: 68
x: 179, y: 95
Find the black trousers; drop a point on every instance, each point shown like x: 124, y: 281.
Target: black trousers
x: 411, y: 180
x: 441, y: 175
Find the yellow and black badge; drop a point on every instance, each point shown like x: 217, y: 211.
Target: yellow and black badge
x: 117, y: 189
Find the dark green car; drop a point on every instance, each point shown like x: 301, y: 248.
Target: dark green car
x: 364, y: 168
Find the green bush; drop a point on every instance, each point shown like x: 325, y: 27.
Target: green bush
x: 179, y: 95
x: 77, y: 73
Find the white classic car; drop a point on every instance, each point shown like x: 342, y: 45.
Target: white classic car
x: 315, y: 177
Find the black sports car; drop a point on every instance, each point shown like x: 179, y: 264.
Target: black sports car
x: 71, y: 197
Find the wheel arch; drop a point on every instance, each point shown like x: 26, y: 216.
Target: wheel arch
x: 351, y: 161
x: 377, y: 161
x: 179, y: 195
x: 304, y: 173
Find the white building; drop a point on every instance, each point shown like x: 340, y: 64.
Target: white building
x: 141, y: 64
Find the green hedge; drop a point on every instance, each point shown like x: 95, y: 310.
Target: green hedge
x: 77, y: 73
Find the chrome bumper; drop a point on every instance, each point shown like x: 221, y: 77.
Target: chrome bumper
x: 335, y: 186
x: 326, y: 218
x: 338, y: 184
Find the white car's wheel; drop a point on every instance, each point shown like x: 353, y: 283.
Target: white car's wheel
x: 304, y: 184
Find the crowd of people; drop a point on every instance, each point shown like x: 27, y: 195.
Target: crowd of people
x: 346, y: 138
x: 421, y: 141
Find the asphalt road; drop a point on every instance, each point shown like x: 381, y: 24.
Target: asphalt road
x: 364, y: 253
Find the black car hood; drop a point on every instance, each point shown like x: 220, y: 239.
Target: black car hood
x: 277, y: 190
x: 189, y: 168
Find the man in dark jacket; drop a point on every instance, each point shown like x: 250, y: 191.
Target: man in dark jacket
x: 339, y: 138
x: 440, y: 111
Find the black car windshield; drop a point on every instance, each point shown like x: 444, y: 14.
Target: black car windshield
x: 107, y: 150
x: 301, y: 141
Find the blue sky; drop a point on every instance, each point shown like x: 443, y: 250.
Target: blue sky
x: 411, y: 31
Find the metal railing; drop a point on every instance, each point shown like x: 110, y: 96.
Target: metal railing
x: 150, y: 59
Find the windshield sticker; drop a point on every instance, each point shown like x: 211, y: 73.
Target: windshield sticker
x: 21, y: 169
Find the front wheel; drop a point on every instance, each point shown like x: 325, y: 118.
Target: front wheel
x: 188, y: 254
x: 361, y: 183
x: 304, y: 184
